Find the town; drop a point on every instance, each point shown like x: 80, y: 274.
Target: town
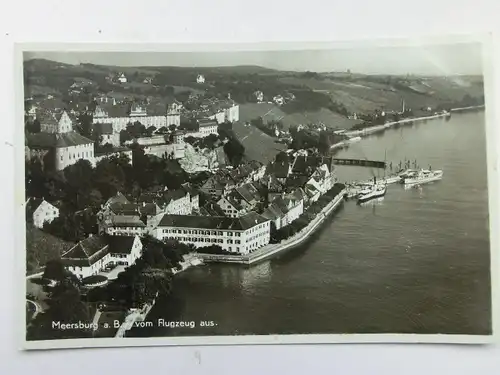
x: 114, y: 184
x: 129, y: 182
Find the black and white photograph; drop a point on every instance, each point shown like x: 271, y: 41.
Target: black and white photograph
x: 297, y: 194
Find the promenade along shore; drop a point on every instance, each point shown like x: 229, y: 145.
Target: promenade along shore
x: 380, y: 128
x: 273, y: 249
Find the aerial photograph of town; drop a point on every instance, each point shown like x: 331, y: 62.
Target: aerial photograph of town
x: 293, y: 192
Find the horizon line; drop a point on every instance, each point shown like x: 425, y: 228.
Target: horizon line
x: 254, y: 66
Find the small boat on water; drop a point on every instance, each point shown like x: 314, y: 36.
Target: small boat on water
x: 422, y: 177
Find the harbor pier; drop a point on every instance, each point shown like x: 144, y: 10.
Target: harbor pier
x: 361, y: 163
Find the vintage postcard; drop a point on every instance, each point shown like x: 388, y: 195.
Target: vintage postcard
x: 285, y: 193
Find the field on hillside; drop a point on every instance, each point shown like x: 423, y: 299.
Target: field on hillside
x: 269, y: 112
x: 363, y: 96
x: 258, y: 145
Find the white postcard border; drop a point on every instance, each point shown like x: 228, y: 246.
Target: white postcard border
x: 493, y: 185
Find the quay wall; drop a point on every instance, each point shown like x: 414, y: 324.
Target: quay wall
x: 273, y: 249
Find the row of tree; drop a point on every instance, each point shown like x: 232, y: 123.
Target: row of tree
x: 278, y: 235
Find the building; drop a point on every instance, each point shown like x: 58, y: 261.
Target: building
x: 207, y: 127
x: 122, y: 116
x: 31, y: 113
x: 93, y: 254
x: 120, y: 217
x: 40, y: 211
x: 56, y: 123
x: 259, y: 96
x: 224, y: 180
x: 58, y: 145
x: 123, y: 225
x: 122, y: 78
x: 115, y: 152
x: 241, y: 235
x: 219, y: 116
x: 173, y: 106
x: 240, y: 200
x: 279, y: 100
x: 125, y: 250
x: 104, y: 134
x: 200, y: 79
x: 88, y: 257
x: 175, y: 202
x: 283, y: 211
x: 194, y: 196
x: 233, y: 113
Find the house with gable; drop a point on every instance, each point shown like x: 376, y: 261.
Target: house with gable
x: 93, y: 254
x: 40, y: 211
x: 285, y: 209
x: 88, y: 257
x: 240, y: 200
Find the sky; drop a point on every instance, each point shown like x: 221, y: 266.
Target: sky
x: 449, y: 59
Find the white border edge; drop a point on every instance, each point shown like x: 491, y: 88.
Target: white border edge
x: 19, y: 216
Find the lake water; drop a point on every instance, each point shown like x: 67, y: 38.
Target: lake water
x: 416, y: 262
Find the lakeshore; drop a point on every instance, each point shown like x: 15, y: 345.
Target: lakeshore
x: 381, y: 128
x: 418, y: 260
x: 272, y: 249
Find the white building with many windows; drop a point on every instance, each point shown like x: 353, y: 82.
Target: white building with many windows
x: 241, y: 235
x: 58, y: 145
x: 121, y: 119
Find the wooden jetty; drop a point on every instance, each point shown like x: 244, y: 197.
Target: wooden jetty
x: 361, y: 163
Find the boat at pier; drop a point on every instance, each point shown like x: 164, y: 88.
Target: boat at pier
x: 377, y: 191
x: 422, y: 177
x: 373, y: 191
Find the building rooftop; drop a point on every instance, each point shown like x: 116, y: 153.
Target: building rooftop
x: 86, y: 252
x: 121, y: 244
x: 124, y: 208
x: 212, y: 222
x: 126, y: 221
x: 54, y: 140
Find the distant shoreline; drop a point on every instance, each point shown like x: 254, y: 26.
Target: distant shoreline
x: 380, y: 128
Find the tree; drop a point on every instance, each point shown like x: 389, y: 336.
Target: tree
x: 234, y: 151
x: 33, y: 126
x: 169, y: 91
x: 78, y: 179
x: 85, y: 121
x: 64, y: 307
x: 54, y: 270
x: 125, y: 136
x: 150, y: 131
x: 109, y: 177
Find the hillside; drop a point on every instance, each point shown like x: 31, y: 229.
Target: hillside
x: 368, y: 93
x: 42, y: 247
